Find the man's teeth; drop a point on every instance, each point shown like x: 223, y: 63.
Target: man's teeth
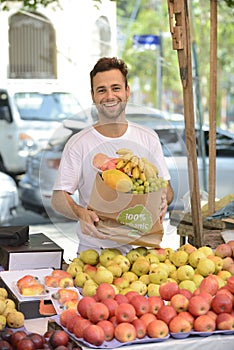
x: 110, y: 104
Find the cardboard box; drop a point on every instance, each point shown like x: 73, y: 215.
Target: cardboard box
x: 32, y: 307
x: 39, y: 252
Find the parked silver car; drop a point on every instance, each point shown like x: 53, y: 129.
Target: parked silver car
x: 9, y: 198
x: 36, y: 186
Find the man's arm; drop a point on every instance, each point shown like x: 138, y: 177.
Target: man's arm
x: 170, y: 193
x: 63, y: 203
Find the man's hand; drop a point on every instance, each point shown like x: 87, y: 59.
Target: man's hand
x: 88, y: 218
x: 163, y: 207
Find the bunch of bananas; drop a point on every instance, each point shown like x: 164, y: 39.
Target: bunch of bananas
x: 142, y: 172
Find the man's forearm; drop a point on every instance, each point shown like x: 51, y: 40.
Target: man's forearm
x: 170, y: 194
x: 63, y: 203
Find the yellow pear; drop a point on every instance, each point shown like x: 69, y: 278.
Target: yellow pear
x: 81, y: 278
x: 197, y: 278
x: 89, y: 256
x: 130, y: 275
x: 206, y: 250
x: 139, y: 287
x: 114, y: 268
x: 103, y: 275
x: 179, y: 258
x: 145, y: 279
x: 185, y: 272
x: 141, y: 266
x: 159, y: 276
x: 106, y: 256
x: 188, y: 284
x: 195, y: 257
x: 153, y: 290
x: 206, y: 267
x: 89, y: 288
x: 122, y: 261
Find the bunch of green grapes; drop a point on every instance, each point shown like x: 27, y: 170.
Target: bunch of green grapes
x: 152, y: 185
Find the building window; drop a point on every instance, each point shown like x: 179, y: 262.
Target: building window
x: 32, y: 47
x: 101, y: 38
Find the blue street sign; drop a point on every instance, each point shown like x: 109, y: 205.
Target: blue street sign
x: 146, y: 39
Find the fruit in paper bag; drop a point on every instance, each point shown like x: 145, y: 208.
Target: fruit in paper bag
x: 117, y: 180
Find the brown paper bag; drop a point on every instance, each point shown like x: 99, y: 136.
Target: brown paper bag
x: 127, y: 218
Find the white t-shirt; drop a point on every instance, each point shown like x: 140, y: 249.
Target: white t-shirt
x: 76, y: 171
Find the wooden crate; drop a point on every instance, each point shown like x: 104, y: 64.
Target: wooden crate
x: 212, y: 228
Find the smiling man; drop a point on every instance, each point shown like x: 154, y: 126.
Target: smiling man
x: 110, y: 92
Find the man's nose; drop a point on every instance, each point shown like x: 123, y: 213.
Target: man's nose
x: 109, y: 93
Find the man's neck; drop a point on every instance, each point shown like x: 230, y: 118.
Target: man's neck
x: 112, y: 129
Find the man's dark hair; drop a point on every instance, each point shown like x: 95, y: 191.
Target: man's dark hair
x: 108, y: 63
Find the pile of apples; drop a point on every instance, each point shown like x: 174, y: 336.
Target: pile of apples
x: 126, y: 318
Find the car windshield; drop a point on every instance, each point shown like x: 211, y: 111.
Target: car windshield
x: 55, y: 106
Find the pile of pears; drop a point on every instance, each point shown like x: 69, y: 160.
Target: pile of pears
x: 9, y: 315
x: 144, y: 269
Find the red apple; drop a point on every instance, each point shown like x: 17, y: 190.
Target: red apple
x: 230, y: 284
x: 71, y: 323
x: 204, y: 323
x: 157, y: 329
x: 209, y: 284
x: 79, y: 327
x: 147, y: 318
x: 105, y: 291
x: 4, y: 344
x: 121, y: 298
x: 113, y: 320
x: 140, y: 328
x: 67, y: 315
x: 141, y: 304
x: 155, y: 302
x: 97, y: 311
x: 198, y: 305
x: 166, y: 313
x: 108, y: 328
x: 84, y: 304
x: 226, y: 291
x: 179, y: 325
x: 187, y: 316
x: 207, y: 296
x: 58, y: 337
x: 221, y: 303
x: 225, y: 321
x: 227, y: 262
x: 186, y: 293
x: 168, y: 289
x: 112, y: 305
x: 131, y: 294
x: 125, y: 312
x: 125, y: 332
x: 230, y: 269
x: 94, y: 334
x: 212, y: 314
x: 223, y: 250
x: 179, y: 302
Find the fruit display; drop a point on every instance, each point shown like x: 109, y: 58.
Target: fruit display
x: 9, y: 315
x: 129, y: 173
x: 189, y: 290
x: 21, y: 340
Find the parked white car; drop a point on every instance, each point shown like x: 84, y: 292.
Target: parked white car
x: 9, y: 198
x: 30, y: 112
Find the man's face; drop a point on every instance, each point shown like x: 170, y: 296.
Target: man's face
x: 109, y: 93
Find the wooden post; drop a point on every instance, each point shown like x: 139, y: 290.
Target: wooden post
x: 212, y: 113
x: 181, y: 42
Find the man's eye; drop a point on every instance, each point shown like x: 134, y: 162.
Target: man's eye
x: 101, y: 91
x: 117, y: 88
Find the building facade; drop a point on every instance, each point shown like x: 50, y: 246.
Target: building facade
x: 60, y: 43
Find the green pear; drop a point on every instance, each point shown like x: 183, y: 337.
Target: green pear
x: 152, y: 258
x: 89, y: 256
x: 103, y: 275
x: 139, y: 287
x: 142, y: 250
x: 195, y: 257
x: 73, y: 269
x: 122, y: 261
x: 141, y: 266
x: 130, y: 275
x: 106, y: 256
x: 179, y: 258
x: 114, y: 268
x: 153, y: 290
x: 132, y: 255
x: 81, y: 278
x: 185, y: 272
x: 78, y: 261
x: 206, y: 267
x: 159, y: 276
x: 89, y: 288
x: 188, y: 284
